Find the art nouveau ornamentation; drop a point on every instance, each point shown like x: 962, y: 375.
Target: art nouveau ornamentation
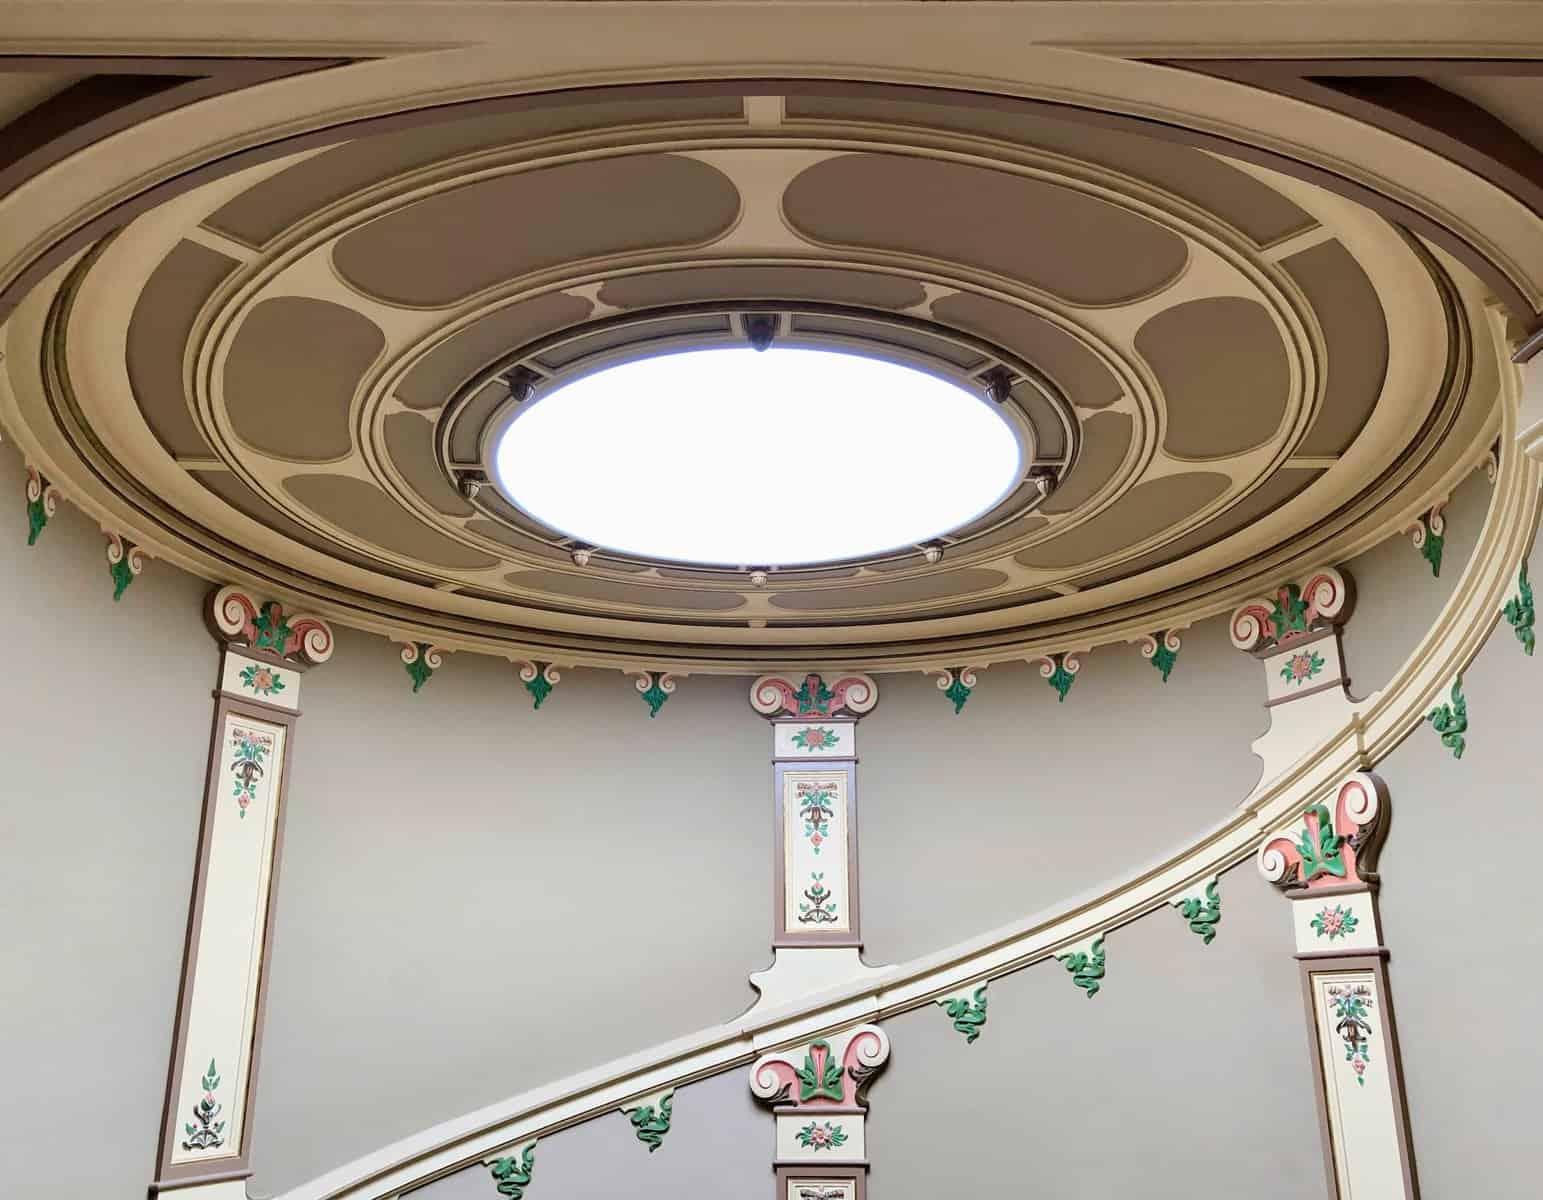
x: 655, y: 687
x: 240, y: 619
x: 1085, y: 964
x: 778, y: 696
x: 957, y: 684
x: 42, y: 503
x: 125, y: 561
x: 1334, y: 843
x: 421, y: 661
x: 1061, y: 670
x: 1296, y: 635
x: 1450, y: 720
x: 1520, y: 614
x: 650, y: 1118
x: 1202, y: 908
x: 1162, y: 651
x: 511, y: 1175
x: 817, y: 848
x: 205, y: 1131
x: 1337, y: 922
x: 967, y: 1011
x: 817, y: 1093
x: 1429, y: 535
x: 539, y: 680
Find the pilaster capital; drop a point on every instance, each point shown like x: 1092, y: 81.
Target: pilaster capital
x: 237, y: 618
x: 779, y: 696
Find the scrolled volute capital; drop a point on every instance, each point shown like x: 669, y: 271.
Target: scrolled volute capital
x: 240, y: 619
x: 811, y: 695
x: 1319, y: 600
x: 830, y: 1072
x: 1334, y: 842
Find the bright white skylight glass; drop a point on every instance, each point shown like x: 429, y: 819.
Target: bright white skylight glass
x: 745, y: 458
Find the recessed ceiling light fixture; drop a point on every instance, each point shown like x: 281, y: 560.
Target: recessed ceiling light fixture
x: 780, y: 457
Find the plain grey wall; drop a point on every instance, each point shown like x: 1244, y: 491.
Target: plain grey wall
x: 1459, y: 907
x: 104, y: 729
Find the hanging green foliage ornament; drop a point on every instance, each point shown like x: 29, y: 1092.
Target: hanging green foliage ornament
x: 124, y: 563
x: 1202, y: 913
x: 42, y: 503
x: 655, y: 687
x: 421, y: 661
x: 1429, y: 535
x: 1162, y: 651
x: 1450, y: 720
x: 512, y: 1175
x: 651, y: 1120
x: 539, y: 679
x: 1061, y: 670
x: 958, y: 684
x: 1520, y: 614
x: 1086, y: 966
x: 967, y: 1012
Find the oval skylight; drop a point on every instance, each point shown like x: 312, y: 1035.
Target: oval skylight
x: 744, y: 458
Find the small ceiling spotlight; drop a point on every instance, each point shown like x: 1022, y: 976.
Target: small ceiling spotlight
x: 999, y: 384
x: 758, y: 577
x: 933, y: 552
x: 581, y: 555
x: 760, y: 329
x: 472, y: 483
x: 522, y: 384
x: 1043, y: 478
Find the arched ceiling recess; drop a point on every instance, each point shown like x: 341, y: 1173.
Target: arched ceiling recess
x: 286, y: 372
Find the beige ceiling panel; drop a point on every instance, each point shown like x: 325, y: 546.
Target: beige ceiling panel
x: 1078, y: 371
x: 267, y: 209
x: 23, y: 90
x: 1356, y: 335
x: 368, y: 513
x: 410, y: 444
x: 291, y: 373
x: 595, y: 587
x: 1146, y: 509
x: 1275, y: 491
x: 1055, y: 238
x: 435, y: 377
x: 233, y: 490
x: 466, y: 434
x: 1105, y: 442
x: 1224, y: 376
x: 158, y: 333
x: 454, y: 244
x: 514, y: 539
x: 831, y: 285
x: 934, y: 586
x: 1258, y: 210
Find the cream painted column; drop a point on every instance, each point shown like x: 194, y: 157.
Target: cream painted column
x: 206, y: 1124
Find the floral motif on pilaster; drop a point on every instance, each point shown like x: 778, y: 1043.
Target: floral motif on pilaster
x: 1450, y: 720
x: 421, y: 660
x: 830, y: 1072
x: 251, y: 749
x: 818, y: 907
x: 957, y: 684
x: 1429, y: 535
x: 1061, y: 670
x: 124, y: 563
x: 1315, y: 602
x: 822, y: 1135
x: 205, y: 1131
x: 1351, y: 1015
x: 42, y: 503
x: 1162, y: 651
x: 511, y: 1175
x: 239, y: 618
x: 1520, y: 613
x: 261, y: 679
x: 1202, y: 909
x: 967, y: 1011
x: 1085, y: 964
x: 1334, y: 842
x: 1302, y: 667
x: 655, y: 687
x: 813, y: 696
x: 539, y: 680
x: 814, y: 738
x: 1336, y: 922
x: 816, y: 807
x: 650, y: 1118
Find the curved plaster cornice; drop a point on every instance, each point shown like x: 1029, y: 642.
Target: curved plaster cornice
x: 1304, y: 759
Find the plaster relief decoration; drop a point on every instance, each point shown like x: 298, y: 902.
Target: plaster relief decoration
x: 421, y: 661
x: 240, y: 619
x: 779, y: 697
x: 655, y: 687
x: 818, y: 1095
x: 266, y: 680
x: 1520, y: 614
x: 1060, y: 670
x: 1162, y: 651
x: 957, y: 684
x: 511, y: 1175
x: 205, y: 1130
x: 1202, y: 908
x: 1295, y: 634
x: 42, y: 503
x: 1429, y: 536
x: 1335, y: 843
x: 816, y: 848
x: 651, y: 1117
x: 1450, y: 720
x: 539, y: 680
x: 1336, y: 922
x: 125, y: 561
x: 967, y: 1010
x: 1085, y: 963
